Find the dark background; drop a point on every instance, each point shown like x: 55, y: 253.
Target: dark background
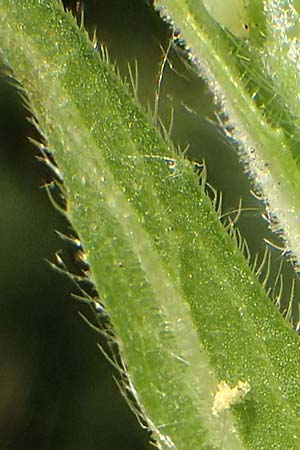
x: 56, y: 389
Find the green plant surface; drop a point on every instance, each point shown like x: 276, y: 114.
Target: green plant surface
x: 254, y: 75
x: 187, y: 311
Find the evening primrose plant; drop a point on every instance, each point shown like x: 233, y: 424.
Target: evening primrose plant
x: 205, y: 358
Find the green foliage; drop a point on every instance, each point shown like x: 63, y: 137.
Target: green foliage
x: 190, y: 316
x: 250, y: 81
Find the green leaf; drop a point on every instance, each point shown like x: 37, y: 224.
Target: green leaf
x: 254, y: 77
x: 194, y: 327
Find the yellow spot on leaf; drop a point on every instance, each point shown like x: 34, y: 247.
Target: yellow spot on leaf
x: 227, y: 396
